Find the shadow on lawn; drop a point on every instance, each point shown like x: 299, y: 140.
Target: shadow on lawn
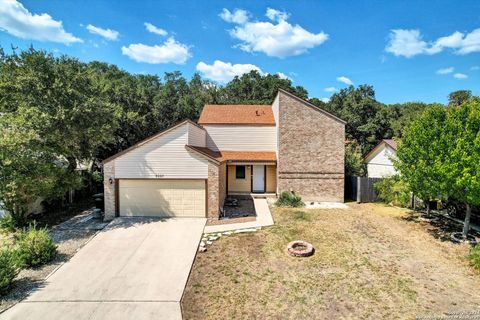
x: 437, y: 224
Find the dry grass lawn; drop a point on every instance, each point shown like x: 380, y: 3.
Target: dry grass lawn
x: 370, y: 263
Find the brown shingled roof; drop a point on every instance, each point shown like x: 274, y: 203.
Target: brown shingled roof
x: 237, y: 114
x: 220, y: 156
x: 392, y: 143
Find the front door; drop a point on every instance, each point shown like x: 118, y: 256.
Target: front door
x: 258, y: 184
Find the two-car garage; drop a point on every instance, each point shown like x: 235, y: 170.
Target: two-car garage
x: 157, y: 197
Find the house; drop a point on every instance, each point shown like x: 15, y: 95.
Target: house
x: 379, y: 160
x: 189, y: 169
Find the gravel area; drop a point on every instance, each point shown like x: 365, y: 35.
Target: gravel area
x: 70, y: 236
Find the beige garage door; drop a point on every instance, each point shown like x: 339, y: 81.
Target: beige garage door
x: 172, y: 198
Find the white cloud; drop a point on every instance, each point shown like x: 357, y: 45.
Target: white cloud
x: 108, y: 34
x: 460, y: 76
x: 282, y: 75
x: 153, y: 29
x: 224, y: 71
x: 445, y: 70
x: 276, y: 15
x: 239, y: 16
x: 475, y: 68
x: 409, y: 43
x: 18, y: 21
x: 325, y: 99
x: 275, y: 38
x: 170, y: 51
x: 330, y: 89
x: 345, y: 80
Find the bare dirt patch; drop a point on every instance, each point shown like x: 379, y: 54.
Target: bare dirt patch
x: 370, y: 261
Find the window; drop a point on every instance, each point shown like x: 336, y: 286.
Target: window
x: 240, y: 172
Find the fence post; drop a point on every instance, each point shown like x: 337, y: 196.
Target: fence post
x: 359, y: 189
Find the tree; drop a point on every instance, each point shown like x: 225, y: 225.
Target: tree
x: 354, y: 165
x: 461, y: 167
x: 420, y: 153
x: 60, y: 100
x: 402, y: 114
x: 458, y: 97
x: 367, y: 119
x: 29, y: 170
x: 254, y: 88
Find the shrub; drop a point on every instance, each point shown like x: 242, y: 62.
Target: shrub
x: 288, y: 199
x: 9, y: 268
x: 474, y: 257
x: 393, y: 190
x: 7, y: 224
x: 35, y: 247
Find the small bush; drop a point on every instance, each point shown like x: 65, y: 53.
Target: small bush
x: 7, y: 224
x: 35, y: 247
x: 9, y: 268
x: 474, y: 257
x: 288, y: 199
x: 393, y: 190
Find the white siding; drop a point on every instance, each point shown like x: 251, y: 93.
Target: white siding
x: 241, y: 138
x: 196, y: 136
x: 381, y: 164
x: 162, y: 157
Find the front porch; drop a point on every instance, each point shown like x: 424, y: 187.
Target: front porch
x: 251, y: 179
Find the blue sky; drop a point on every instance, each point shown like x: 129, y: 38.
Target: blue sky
x: 408, y: 50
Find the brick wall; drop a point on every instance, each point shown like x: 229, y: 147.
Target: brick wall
x: 109, y: 190
x: 311, y: 151
x: 216, y: 189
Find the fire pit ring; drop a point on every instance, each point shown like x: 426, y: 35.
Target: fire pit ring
x: 300, y: 248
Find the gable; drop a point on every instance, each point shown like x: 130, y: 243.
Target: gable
x: 163, y: 157
x: 381, y: 154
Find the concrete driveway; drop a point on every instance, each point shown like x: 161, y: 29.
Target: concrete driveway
x: 134, y: 269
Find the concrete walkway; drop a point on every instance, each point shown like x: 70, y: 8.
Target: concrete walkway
x: 263, y: 219
x: 133, y: 269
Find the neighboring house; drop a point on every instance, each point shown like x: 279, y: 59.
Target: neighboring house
x: 379, y: 160
x: 189, y: 169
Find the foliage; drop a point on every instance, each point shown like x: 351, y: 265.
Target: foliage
x: 29, y: 168
x: 354, y: 165
x: 420, y: 152
x: 461, y: 165
x: 35, y: 247
x: 402, y: 114
x: 459, y: 97
x: 8, y: 268
x: 288, y: 199
x: 366, y: 120
x: 474, y: 257
x: 7, y: 224
x: 393, y: 190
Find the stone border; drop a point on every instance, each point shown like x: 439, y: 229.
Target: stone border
x: 294, y: 252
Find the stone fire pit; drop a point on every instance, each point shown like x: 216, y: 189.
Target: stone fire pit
x: 299, y: 248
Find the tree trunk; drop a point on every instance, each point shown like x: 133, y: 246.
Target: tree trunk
x: 466, y: 224
x: 427, y: 203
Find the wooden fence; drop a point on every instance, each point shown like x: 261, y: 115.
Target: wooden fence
x: 361, y: 189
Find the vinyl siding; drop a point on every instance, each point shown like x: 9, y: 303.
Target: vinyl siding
x: 241, y: 138
x: 196, y: 136
x: 381, y: 164
x: 163, y: 157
